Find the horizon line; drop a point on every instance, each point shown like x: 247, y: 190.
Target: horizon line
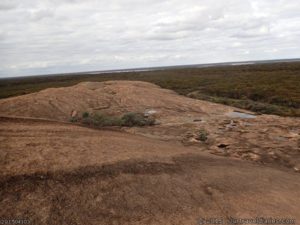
x: 157, y: 68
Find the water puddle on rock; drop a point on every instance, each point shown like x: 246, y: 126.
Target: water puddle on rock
x: 242, y: 115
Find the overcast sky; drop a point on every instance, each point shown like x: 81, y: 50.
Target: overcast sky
x: 53, y: 36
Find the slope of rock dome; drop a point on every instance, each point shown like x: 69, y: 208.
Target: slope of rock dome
x: 112, y: 97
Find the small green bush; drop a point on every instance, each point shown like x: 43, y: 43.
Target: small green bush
x: 129, y: 120
x: 73, y: 120
x: 202, y: 135
x: 85, y: 115
x: 101, y: 120
x: 136, y: 119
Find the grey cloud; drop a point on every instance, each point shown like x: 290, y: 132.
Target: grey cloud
x: 7, y: 5
x: 70, y: 35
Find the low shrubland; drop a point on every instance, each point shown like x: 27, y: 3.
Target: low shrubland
x: 265, y: 88
x: 129, y: 119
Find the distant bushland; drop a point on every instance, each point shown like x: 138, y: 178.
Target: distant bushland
x: 265, y: 88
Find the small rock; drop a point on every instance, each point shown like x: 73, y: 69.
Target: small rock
x: 291, y: 135
x: 236, y: 155
x: 227, y: 121
x: 189, y: 135
x: 157, y: 122
x: 98, y: 199
x: 193, y: 140
x: 208, y: 190
x: 296, y: 169
x: 102, y: 107
x: 74, y: 113
x: 149, y: 112
x: 254, y: 157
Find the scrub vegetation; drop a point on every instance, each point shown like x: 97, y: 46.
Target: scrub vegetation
x: 264, y: 88
x: 130, y: 119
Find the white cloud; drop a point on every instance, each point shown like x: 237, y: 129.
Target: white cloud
x: 39, y: 14
x: 53, y: 36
